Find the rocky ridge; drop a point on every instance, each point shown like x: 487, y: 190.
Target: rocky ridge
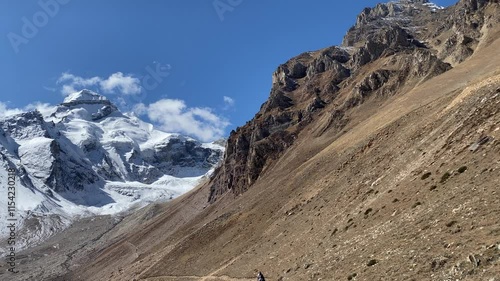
x: 403, y: 38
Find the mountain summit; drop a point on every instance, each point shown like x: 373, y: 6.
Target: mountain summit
x: 86, y: 157
x: 84, y: 96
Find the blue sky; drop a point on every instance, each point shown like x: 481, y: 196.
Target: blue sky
x: 213, y: 64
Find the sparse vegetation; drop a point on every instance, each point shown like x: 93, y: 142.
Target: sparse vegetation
x: 462, y: 169
x: 426, y: 175
x: 334, y: 231
x: 445, y: 177
x: 451, y: 223
x: 372, y: 262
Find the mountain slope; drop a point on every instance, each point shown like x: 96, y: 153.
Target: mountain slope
x: 370, y: 162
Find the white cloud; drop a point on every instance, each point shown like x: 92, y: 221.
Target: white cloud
x: 140, y: 109
x: 228, y: 102
x: 6, y: 111
x: 71, y: 83
x: 127, y: 85
x: 116, y: 82
x: 173, y: 115
x: 44, y: 109
x: 50, y: 89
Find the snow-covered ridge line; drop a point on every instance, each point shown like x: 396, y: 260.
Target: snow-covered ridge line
x: 434, y: 6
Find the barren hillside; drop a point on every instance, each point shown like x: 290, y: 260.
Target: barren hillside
x: 375, y: 160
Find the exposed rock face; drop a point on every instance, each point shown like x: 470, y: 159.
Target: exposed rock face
x: 400, y: 37
x: 452, y: 33
x: 465, y: 26
x: 62, y: 170
x: 331, y: 59
x: 69, y: 173
x: 399, y: 14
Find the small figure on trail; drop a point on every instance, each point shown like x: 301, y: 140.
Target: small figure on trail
x: 260, y: 277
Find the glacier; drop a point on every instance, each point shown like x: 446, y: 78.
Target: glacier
x: 86, y: 158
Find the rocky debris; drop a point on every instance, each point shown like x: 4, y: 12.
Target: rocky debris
x: 439, y: 262
x: 474, y: 260
x: 475, y: 146
x: 352, y: 276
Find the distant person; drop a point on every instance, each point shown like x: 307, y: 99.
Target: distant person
x: 260, y: 277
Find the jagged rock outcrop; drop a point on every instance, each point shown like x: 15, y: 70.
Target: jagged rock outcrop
x: 452, y: 33
x: 397, y: 39
x: 464, y: 28
x: 400, y: 15
x: 44, y: 152
x: 331, y: 59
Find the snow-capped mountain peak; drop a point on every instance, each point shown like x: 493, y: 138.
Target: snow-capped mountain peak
x: 85, y: 105
x: 84, y: 95
x: 87, y: 157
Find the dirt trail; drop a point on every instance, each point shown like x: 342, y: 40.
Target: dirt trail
x: 201, y: 278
